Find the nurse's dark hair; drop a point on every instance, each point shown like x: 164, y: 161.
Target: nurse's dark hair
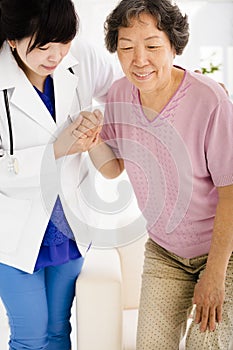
x: 168, y: 16
x: 43, y: 20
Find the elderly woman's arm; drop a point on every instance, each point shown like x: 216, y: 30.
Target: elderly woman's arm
x: 210, y: 290
x: 100, y: 153
x: 105, y: 160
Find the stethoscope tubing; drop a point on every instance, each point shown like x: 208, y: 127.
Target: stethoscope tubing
x: 8, y: 114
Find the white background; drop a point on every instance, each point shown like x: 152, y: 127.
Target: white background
x: 211, y: 32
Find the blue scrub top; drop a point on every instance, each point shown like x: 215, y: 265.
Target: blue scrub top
x: 58, y: 245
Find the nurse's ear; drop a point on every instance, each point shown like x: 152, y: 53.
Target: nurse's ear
x: 12, y: 44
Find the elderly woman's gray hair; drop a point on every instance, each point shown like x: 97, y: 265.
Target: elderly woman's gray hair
x: 168, y: 16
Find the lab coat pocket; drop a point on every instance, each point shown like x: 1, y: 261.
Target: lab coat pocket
x: 13, y: 218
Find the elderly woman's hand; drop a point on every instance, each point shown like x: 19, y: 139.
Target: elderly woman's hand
x: 90, y: 125
x: 208, y: 297
x: 89, y: 128
x: 79, y: 136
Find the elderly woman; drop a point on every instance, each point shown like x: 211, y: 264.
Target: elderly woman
x: 172, y: 130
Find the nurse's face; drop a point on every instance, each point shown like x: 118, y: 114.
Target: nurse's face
x: 41, y: 61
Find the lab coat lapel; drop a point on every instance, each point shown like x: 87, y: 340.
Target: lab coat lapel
x: 66, y: 100
x: 26, y: 98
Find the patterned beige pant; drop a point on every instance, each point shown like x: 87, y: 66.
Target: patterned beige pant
x: 168, y: 283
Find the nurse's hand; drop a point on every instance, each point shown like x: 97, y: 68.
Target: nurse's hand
x: 91, y: 123
x: 70, y: 142
x: 89, y: 128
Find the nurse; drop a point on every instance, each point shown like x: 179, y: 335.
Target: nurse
x: 39, y: 101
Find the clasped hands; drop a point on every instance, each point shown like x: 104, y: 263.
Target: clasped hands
x: 80, y: 136
x: 89, y: 128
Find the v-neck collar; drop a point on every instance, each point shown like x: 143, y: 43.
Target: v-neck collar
x: 167, y: 110
x: 47, y: 96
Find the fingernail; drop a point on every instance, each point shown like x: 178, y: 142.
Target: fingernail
x: 96, y: 111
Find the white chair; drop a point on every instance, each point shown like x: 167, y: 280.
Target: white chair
x: 107, y: 298
x: 107, y: 295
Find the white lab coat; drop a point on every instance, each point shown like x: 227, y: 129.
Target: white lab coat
x: 27, y: 198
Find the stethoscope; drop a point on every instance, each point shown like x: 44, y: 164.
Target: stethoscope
x: 13, y: 165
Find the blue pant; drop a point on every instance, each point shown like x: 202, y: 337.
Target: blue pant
x: 39, y: 305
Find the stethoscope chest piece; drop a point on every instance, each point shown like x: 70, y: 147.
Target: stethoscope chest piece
x: 13, y: 165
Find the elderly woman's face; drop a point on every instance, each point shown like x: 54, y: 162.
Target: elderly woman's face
x: 145, y: 54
